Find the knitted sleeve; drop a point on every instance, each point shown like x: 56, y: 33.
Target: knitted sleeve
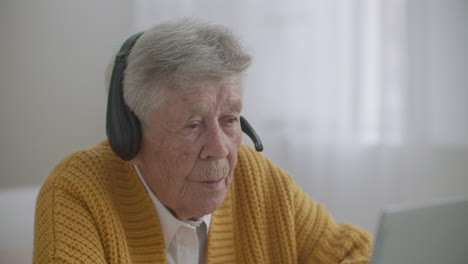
x: 322, y: 240
x: 64, y: 230
x: 298, y: 228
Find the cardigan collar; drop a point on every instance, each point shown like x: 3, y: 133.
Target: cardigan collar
x: 140, y: 220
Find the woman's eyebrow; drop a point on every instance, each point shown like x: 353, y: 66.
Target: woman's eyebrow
x: 236, y: 105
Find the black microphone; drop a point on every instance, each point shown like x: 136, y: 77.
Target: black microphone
x: 248, y: 129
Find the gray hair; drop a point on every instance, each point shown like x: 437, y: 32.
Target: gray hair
x: 174, y: 54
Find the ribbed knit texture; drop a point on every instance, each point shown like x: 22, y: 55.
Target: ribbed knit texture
x: 93, y: 208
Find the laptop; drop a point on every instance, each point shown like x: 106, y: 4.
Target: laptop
x: 424, y: 233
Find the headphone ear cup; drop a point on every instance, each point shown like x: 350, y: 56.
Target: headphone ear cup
x: 135, y: 136
x: 123, y: 127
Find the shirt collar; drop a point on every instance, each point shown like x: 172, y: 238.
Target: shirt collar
x: 170, y: 224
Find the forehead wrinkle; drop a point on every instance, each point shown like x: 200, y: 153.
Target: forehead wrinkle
x: 200, y: 103
x: 198, y: 98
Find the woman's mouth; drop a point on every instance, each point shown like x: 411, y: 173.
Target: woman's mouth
x: 216, y: 184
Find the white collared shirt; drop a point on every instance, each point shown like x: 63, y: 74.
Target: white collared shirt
x: 185, y: 241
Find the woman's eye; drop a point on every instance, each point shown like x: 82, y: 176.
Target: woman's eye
x: 193, y: 126
x: 232, y: 120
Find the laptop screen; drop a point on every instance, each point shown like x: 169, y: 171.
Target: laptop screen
x: 424, y: 233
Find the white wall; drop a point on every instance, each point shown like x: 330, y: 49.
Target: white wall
x: 17, y: 224
x: 53, y: 57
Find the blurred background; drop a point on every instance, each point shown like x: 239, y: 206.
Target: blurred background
x: 362, y: 101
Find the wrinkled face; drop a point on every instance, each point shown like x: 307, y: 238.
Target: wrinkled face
x: 189, y: 148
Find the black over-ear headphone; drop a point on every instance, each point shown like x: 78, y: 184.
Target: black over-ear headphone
x: 122, y: 125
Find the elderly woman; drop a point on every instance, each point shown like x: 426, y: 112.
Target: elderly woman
x: 173, y: 184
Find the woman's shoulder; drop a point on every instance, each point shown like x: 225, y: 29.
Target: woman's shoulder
x: 86, y: 167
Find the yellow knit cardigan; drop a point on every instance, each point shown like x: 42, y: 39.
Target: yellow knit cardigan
x: 93, y: 208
